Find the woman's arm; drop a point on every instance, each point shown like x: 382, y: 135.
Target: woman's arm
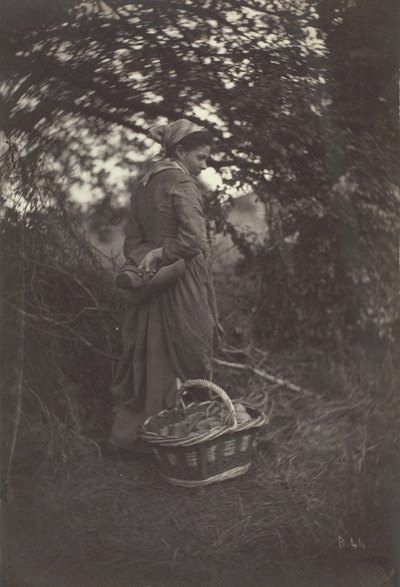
x: 191, y: 236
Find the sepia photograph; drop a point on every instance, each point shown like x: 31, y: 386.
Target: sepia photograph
x: 199, y: 293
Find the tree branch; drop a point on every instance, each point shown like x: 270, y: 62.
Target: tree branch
x: 264, y: 375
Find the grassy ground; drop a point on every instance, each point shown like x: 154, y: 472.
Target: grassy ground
x: 320, y: 496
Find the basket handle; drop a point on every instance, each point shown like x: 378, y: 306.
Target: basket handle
x: 231, y: 419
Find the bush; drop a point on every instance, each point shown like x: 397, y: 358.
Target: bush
x: 327, y: 271
x: 57, y: 293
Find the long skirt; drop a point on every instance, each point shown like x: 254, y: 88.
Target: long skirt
x: 167, y: 338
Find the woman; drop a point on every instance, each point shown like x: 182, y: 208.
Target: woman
x: 167, y: 336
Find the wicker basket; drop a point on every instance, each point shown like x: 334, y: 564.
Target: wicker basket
x: 208, y: 457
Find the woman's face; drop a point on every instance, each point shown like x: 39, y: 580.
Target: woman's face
x: 195, y: 160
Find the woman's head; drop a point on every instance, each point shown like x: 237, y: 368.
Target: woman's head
x: 192, y: 151
x: 184, y: 141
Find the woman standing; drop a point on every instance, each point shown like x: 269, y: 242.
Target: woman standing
x: 168, y: 335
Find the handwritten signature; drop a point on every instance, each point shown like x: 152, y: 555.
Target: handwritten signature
x: 350, y: 543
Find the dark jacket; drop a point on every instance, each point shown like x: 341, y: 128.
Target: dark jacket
x: 167, y: 212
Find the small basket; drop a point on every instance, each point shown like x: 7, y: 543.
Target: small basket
x: 208, y: 457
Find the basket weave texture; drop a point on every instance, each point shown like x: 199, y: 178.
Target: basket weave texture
x: 221, y: 453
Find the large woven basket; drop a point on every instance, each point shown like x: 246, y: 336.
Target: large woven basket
x: 208, y: 457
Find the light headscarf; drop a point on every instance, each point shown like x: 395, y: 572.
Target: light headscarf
x: 171, y: 134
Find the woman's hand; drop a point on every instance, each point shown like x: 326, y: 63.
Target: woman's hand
x: 150, y: 261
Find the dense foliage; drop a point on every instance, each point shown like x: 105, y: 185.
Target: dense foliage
x: 59, y: 314
x: 301, y: 97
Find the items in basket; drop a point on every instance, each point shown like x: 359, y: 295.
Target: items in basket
x: 207, y: 416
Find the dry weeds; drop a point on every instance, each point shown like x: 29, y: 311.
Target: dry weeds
x: 324, y: 472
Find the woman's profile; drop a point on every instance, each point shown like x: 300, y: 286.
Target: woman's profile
x: 170, y: 328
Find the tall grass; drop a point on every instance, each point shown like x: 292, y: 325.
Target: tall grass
x: 324, y: 476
